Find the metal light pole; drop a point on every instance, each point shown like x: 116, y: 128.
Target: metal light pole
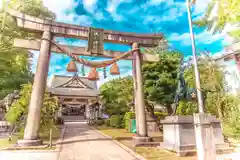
x: 205, y: 144
x: 197, y: 75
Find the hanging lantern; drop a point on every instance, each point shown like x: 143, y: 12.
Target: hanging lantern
x: 72, y: 67
x: 114, y: 70
x: 93, y: 75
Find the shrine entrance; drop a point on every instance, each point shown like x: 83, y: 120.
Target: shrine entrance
x: 76, y: 95
x: 96, y: 38
x: 73, y: 110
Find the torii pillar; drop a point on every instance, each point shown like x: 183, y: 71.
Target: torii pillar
x: 142, y: 135
x: 31, y: 133
x: 134, y: 91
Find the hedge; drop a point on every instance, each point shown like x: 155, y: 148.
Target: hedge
x: 107, y: 122
x: 131, y: 115
x: 116, y: 121
x: 127, y: 117
x: 161, y: 115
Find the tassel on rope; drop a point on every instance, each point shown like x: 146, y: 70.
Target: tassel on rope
x: 72, y: 67
x: 114, y: 70
x: 93, y: 75
x: 83, y: 70
x: 104, y: 72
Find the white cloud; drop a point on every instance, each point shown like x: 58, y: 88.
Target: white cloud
x: 200, y: 6
x: 174, y: 13
x: 112, y: 8
x: 99, y: 16
x: 157, y: 2
x: 184, y: 38
x: 59, y: 7
x: 90, y: 5
x: 205, y: 37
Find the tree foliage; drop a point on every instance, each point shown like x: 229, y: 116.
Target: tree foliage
x: 160, y: 83
x: 219, y: 13
x: 17, y: 114
x: 161, y: 78
x: 116, y: 95
x: 212, y: 84
x: 14, y: 62
x: 217, y: 101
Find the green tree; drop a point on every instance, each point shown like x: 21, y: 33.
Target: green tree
x: 212, y: 84
x: 116, y: 95
x: 160, y: 84
x: 219, y: 13
x: 217, y: 102
x: 160, y: 78
x: 14, y: 62
x: 17, y: 113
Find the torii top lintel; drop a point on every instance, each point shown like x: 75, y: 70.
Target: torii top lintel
x: 76, y: 31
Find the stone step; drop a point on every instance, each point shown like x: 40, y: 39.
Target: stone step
x: 147, y: 144
x: 223, y: 145
x: 225, y: 150
x: 194, y: 152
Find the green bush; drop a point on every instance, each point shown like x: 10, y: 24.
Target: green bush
x: 187, y: 107
x: 18, y: 111
x: 127, y: 117
x: 160, y: 115
x: 107, y: 122
x: 99, y: 122
x: 131, y: 115
x: 116, y: 121
x: 59, y: 121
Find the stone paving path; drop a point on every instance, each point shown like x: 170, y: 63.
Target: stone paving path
x: 83, y: 143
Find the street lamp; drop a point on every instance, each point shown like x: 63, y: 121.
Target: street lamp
x: 203, y: 130
x: 195, y: 63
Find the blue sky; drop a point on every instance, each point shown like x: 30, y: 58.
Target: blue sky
x: 141, y: 16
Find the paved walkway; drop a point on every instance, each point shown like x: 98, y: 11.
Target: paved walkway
x: 83, y: 143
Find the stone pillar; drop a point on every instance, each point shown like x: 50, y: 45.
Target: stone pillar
x: 134, y: 92
x: 31, y: 134
x: 142, y: 134
x: 87, y: 111
x: 205, y: 143
x: 99, y: 111
x: 59, y: 112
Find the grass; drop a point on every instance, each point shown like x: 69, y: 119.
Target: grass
x: 150, y: 153
x: 44, y: 135
x: 5, y: 143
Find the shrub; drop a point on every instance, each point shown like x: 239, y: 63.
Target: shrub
x: 59, y: 121
x: 187, y: 108
x: 116, y: 121
x: 161, y: 115
x: 131, y: 115
x: 127, y: 117
x: 107, y: 122
x: 17, y: 113
x: 99, y: 122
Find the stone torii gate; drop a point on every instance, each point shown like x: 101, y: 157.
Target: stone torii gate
x: 49, y: 29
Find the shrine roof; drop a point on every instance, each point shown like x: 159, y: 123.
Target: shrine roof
x: 72, y: 86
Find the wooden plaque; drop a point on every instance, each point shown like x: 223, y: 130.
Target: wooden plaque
x: 95, y: 41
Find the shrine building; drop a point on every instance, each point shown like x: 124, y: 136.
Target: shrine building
x: 77, y: 95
